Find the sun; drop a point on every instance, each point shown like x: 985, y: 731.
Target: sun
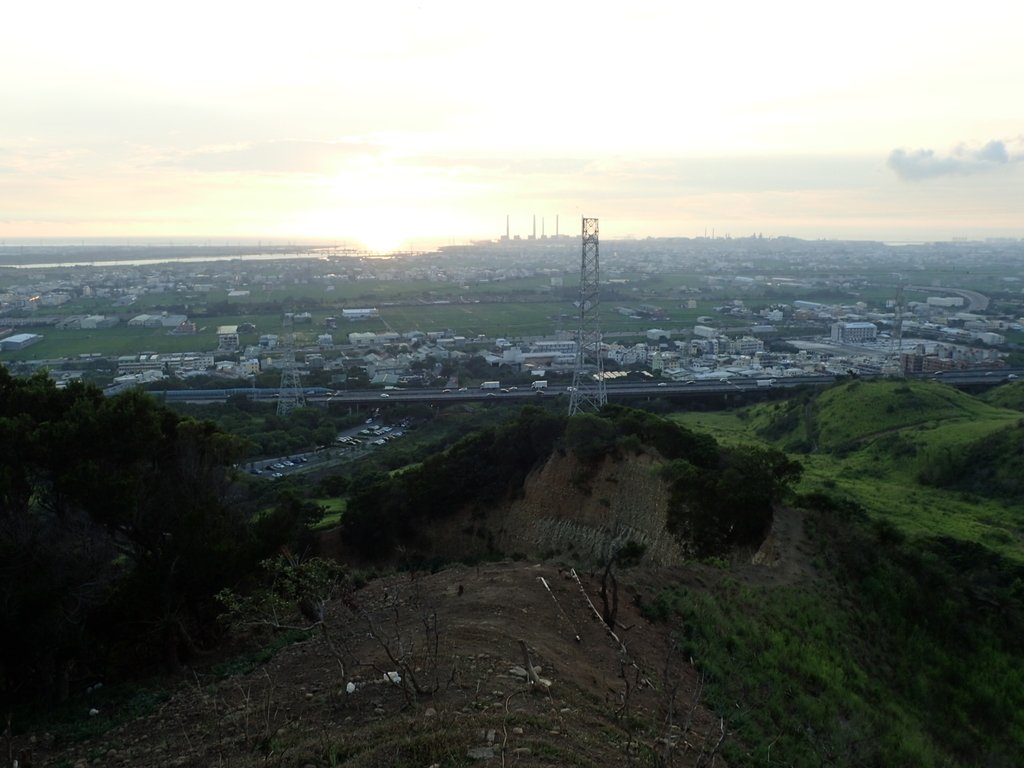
x: 379, y: 240
x: 366, y: 229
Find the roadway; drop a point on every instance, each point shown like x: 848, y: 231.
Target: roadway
x: 627, y: 390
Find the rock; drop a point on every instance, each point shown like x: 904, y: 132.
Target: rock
x: 490, y: 736
x: 522, y: 751
x: 430, y: 712
x: 480, y: 753
x: 517, y: 731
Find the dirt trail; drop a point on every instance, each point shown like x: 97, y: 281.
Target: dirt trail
x: 294, y: 710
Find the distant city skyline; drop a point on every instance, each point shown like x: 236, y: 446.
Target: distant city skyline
x: 403, y: 125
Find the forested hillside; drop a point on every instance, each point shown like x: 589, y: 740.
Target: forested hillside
x: 857, y: 601
x: 119, y: 522
x: 721, y: 496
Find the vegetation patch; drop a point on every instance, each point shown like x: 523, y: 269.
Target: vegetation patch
x: 905, y: 654
x: 844, y: 417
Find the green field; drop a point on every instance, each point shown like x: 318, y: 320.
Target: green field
x: 333, y: 510
x: 510, y: 319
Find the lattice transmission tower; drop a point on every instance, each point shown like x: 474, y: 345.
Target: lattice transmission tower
x: 290, y: 394
x: 588, y: 389
x: 896, y: 339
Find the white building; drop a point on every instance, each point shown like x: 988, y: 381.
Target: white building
x: 98, y: 321
x: 563, y: 347
x: 746, y: 345
x: 992, y: 339
x: 854, y: 333
x: 635, y: 355
x: 945, y: 301
x: 362, y: 339
x: 54, y: 299
x: 227, y: 338
x: 19, y: 341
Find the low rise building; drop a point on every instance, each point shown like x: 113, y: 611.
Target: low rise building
x: 19, y: 341
x: 853, y: 333
x: 227, y: 338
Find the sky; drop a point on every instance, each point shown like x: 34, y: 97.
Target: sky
x: 399, y: 124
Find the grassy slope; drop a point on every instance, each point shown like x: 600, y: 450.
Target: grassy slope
x: 333, y: 510
x: 897, y: 652
x: 873, y: 439
x: 1006, y: 396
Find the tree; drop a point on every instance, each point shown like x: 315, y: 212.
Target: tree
x: 727, y: 504
x: 590, y: 436
x: 123, y: 512
x: 623, y: 555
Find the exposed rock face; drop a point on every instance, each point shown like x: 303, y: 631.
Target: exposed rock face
x: 570, y: 509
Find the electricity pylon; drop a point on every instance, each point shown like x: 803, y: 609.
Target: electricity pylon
x: 290, y: 395
x: 588, y: 389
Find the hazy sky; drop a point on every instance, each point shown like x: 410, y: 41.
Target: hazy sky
x: 389, y: 122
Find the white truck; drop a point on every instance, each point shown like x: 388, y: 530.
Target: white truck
x: 765, y: 382
x: 541, y: 384
x: 491, y: 385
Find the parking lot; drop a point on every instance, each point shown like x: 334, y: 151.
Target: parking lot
x: 348, y: 445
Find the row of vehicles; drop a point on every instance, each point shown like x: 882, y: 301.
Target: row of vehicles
x: 536, y: 385
x: 278, y: 468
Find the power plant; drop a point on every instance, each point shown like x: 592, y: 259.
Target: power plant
x: 533, y: 229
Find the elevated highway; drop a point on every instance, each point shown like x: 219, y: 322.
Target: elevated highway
x: 973, y: 378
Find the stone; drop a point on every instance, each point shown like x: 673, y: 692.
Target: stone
x: 480, y: 753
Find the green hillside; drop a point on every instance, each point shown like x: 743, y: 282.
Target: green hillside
x: 848, y: 416
x: 907, y: 650
x: 923, y: 456
x: 1009, y: 395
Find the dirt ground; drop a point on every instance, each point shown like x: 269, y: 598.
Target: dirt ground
x: 460, y: 635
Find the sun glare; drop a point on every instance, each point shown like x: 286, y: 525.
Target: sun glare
x: 379, y: 241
